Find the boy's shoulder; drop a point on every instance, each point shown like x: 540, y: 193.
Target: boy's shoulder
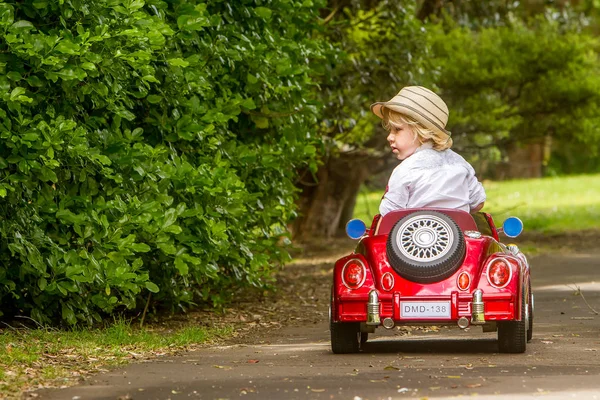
x: 430, y: 158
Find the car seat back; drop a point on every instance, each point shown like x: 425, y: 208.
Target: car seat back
x: 464, y: 220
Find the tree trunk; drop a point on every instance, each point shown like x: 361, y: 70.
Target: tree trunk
x: 326, y: 205
x: 526, y: 160
x: 428, y: 8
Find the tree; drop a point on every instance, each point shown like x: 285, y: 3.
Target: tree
x: 518, y: 85
x: 382, y: 47
x: 514, y: 86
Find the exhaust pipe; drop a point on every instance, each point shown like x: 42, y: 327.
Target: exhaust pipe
x: 388, y: 323
x: 477, y: 316
x: 373, y: 309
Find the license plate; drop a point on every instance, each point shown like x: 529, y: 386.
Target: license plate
x: 425, y: 309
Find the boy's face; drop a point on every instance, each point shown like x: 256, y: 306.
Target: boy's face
x: 403, y: 141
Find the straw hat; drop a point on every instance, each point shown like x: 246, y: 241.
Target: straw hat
x: 420, y: 104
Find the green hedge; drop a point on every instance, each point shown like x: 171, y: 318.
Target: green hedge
x: 148, y: 146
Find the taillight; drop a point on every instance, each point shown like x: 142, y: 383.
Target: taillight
x: 354, y: 274
x: 387, y: 281
x: 499, y: 273
x: 464, y: 280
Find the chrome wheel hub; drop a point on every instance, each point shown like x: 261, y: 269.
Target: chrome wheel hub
x: 425, y: 238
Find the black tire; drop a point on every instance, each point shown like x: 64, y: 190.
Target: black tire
x: 435, y: 258
x: 512, y: 335
x: 530, y: 306
x: 364, y: 336
x: 345, y: 337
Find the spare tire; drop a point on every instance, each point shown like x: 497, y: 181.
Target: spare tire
x: 425, y: 246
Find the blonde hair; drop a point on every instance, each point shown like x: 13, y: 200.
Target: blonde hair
x: 440, y: 140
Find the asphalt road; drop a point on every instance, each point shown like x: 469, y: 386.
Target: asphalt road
x: 561, y: 362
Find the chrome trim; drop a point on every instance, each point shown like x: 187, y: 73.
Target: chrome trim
x: 513, y: 249
x: 424, y: 238
x: 373, y: 309
x: 463, y: 322
x: 388, y: 323
x: 477, y: 308
x: 473, y: 234
x: 364, y: 273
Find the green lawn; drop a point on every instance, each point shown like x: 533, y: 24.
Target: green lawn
x: 545, y: 205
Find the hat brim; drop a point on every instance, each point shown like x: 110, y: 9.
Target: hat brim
x: 377, y: 109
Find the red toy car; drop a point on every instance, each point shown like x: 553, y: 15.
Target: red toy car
x: 432, y: 266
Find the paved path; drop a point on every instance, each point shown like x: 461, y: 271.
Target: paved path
x: 561, y: 362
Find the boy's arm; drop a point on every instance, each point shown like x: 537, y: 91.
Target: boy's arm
x: 477, y: 195
x: 396, y: 195
x: 477, y: 207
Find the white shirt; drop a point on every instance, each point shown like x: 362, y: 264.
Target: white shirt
x: 431, y: 178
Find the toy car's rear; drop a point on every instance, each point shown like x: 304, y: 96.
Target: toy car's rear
x: 422, y: 267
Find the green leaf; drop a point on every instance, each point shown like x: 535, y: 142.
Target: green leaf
x: 14, y: 76
x: 152, y: 287
x: 181, y: 266
x: 178, y: 62
x: 167, y: 248
x: 16, y: 92
x: 68, y: 314
x: 249, y: 104
x: 263, y: 12
x: 89, y: 66
x: 46, y: 174
x: 140, y: 247
x: 176, y: 229
x: 67, y: 47
x: 154, y: 99
x: 22, y: 25
x: 260, y: 122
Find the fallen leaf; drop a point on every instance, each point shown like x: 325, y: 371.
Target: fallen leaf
x: 252, y: 361
x: 377, y: 380
x: 390, y: 367
x: 473, y: 385
x: 453, y: 377
x: 317, y: 390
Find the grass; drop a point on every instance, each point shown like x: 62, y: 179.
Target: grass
x: 547, y: 205
x: 33, y: 358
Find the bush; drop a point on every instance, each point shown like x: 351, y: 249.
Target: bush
x: 148, y: 146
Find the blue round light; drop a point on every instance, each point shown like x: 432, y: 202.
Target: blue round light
x: 512, y: 227
x: 355, y: 228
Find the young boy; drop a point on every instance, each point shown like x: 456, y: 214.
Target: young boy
x: 431, y: 175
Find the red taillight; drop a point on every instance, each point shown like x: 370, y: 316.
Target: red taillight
x: 354, y: 274
x: 464, y: 280
x: 387, y: 281
x: 499, y: 273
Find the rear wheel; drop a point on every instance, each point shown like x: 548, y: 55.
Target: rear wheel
x: 364, y: 336
x: 530, y: 308
x: 512, y: 335
x: 345, y: 337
